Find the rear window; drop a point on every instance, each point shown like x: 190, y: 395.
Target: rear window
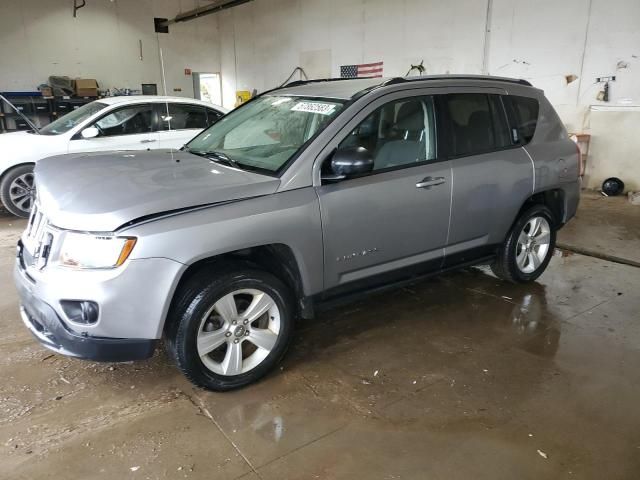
x: 525, y: 111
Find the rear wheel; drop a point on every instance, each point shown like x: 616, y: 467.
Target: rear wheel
x: 18, y: 190
x: 528, y: 248
x: 229, y: 331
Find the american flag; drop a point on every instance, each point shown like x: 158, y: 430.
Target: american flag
x: 366, y: 70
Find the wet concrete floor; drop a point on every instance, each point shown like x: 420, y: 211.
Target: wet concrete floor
x: 607, y: 227
x: 457, y: 377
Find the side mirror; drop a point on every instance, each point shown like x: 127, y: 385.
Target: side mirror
x: 90, y: 132
x: 350, y: 161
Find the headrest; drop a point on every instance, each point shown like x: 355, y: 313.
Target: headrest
x: 410, y: 116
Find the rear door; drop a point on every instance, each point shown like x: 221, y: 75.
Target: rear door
x: 131, y: 127
x: 394, y: 220
x: 492, y: 174
x: 180, y: 122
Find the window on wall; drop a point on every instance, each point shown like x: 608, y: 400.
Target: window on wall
x: 525, y: 111
x: 400, y: 133
x: 477, y: 124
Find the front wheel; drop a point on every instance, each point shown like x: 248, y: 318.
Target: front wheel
x: 526, y: 252
x: 18, y: 190
x: 230, y: 329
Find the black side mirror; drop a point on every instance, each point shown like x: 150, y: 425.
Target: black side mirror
x: 350, y: 161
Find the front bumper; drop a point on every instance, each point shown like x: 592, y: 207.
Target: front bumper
x: 131, y: 310
x: 52, y: 333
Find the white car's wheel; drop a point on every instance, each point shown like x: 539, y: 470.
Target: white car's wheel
x: 18, y: 190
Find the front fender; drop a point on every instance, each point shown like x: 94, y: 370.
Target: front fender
x: 290, y: 218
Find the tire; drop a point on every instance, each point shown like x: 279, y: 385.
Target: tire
x: 17, y: 190
x: 202, y: 317
x: 518, y: 263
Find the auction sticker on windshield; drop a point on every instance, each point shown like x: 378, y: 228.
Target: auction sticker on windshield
x: 314, y: 107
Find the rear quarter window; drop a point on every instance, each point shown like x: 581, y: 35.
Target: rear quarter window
x: 525, y: 112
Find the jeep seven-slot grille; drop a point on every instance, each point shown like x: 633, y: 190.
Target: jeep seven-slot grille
x: 38, y: 238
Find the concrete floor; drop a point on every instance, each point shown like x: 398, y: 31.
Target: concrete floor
x: 457, y: 377
x: 607, y: 227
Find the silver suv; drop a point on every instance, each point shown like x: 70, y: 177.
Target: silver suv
x: 305, y: 195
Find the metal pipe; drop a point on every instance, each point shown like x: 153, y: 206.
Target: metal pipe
x: 487, y: 38
x: 202, y: 11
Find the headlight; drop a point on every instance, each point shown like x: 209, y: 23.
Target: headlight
x: 83, y: 250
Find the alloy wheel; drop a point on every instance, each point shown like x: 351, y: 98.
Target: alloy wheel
x: 533, y: 244
x: 238, y: 332
x: 22, y: 191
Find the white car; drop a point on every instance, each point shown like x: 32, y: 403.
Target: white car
x: 115, y: 123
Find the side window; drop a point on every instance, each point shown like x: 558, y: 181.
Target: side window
x: 127, y: 121
x: 212, y: 116
x: 499, y: 121
x: 525, y: 111
x: 182, y: 116
x: 398, y: 133
x: 470, y: 131
x: 477, y: 124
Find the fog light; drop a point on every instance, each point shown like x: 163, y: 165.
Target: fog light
x: 80, y: 311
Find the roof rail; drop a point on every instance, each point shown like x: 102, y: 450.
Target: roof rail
x: 396, y: 80
x: 297, y: 83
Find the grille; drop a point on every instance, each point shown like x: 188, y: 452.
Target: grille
x: 38, y: 238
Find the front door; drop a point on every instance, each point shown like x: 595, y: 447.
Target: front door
x: 133, y: 127
x: 394, y: 220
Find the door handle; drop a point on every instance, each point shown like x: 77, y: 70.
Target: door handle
x: 429, y: 182
x: 147, y: 141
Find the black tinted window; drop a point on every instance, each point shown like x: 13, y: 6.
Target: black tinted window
x: 470, y: 129
x: 212, y: 116
x: 183, y: 116
x: 499, y: 121
x: 525, y: 110
x: 477, y: 124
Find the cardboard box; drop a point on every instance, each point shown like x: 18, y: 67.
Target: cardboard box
x: 86, y: 87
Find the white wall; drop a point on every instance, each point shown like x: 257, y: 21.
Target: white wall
x: 542, y: 41
x: 257, y: 45
x: 39, y: 38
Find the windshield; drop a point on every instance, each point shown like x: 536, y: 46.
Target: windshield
x: 266, y: 133
x: 71, y: 119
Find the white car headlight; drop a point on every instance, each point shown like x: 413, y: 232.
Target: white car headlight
x: 84, y: 250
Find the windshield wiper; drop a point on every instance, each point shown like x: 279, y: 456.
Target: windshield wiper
x: 221, y: 158
x: 214, y: 156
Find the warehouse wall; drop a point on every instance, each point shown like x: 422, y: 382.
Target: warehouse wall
x: 542, y: 41
x: 39, y: 38
x: 257, y: 45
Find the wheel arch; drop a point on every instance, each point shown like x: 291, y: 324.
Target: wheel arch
x: 277, y: 258
x: 13, y: 167
x: 553, y: 199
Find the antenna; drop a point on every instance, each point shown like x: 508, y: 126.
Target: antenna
x: 164, y: 80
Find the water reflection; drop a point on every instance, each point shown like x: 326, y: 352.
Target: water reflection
x: 259, y: 417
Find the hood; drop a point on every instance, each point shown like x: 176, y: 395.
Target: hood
x: 102, y: 191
